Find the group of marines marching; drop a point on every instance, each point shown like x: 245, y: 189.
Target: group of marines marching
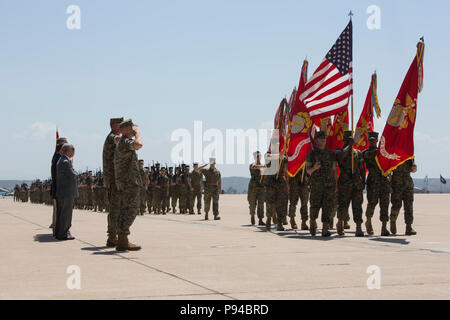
x: 331, y: 181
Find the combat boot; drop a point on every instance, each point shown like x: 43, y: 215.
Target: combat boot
x: 346, y: 225
x: 304, y: 226
x: 261, y: 222
x: 112, y: 241
x: 206, y: 216
x: 359, y: 233
x: 293, y: 223
x: 123, y: 244
x: 369, y: 227
x: 312, y: 227
x: 280, y: 227
x: 216, y: 217
x: 384, y: 230
x: 325, y: 231
x: 340, y: 228
x: 393, y: 224
x: 268, y: 224
x: 252, y: 220
x: 410, y: 231
x: 285, y: 223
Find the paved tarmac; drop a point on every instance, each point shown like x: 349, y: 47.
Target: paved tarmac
x: 185, y: 257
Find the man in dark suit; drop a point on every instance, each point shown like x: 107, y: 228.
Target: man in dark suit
x: 59, y: 143
x: 66, y: 192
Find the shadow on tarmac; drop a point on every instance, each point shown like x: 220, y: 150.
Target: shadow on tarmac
x: 45, y: 238
x: 392, y: 240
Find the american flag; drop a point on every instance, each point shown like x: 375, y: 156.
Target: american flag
x: 329, y: 89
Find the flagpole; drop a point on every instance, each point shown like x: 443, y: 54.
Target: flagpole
x: 353, y: 156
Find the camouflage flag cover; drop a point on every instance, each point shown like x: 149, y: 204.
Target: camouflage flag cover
x: 397, y: 142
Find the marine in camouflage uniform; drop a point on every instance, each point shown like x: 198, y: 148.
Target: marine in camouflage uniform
x: 143, y: 189
x: 350, y: 184
x: 155, y: 179
x: 99, y: 193
x: 255, y: 193
x: 161, y: 192
x: 321, y: 166
x: 186, y: 204
x: 109, y: 178
x: 197, y: 184
x: 128, y: 181
x: 299, y: 189
x: 150, y: 189
x: 176, y: 183
x: 403, y: 191
x: 378, y: 187
x: 24, y: 192
x: 213, y: 187
x: 269, y: 180
x: 16, y: 193
x: 89, y: 191
x: 169, y: 199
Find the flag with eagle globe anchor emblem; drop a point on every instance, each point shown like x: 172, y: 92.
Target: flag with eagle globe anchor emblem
x: 397, y: 142
x: 299, y: 142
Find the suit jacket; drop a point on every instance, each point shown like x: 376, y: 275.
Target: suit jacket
x: 55, y: 159
x: 66, y: 179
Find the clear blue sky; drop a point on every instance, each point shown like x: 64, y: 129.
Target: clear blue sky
x: 227, y: 63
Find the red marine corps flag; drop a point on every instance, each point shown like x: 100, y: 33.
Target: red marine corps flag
x: 299, y: 142
x: 329, y: 89
x: 397, y: 141
x: 365, y: 123
x: 340, y: 124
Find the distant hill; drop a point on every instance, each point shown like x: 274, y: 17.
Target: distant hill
x: 235, y: 185
x: 10, y: 184
x: 239, y: 185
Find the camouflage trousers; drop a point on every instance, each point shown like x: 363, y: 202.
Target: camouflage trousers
x: 197, y: 195
x: 255, y: 197
x: 161, y: 200
x: 90, y: 198
x: 403, y: 192
x: 321, y: 197
x: 212, y: 193
x: 114, y: 209
x: 142, y: 200
x: 334, y: 209
x: 349, y: 192
x: 149, y: 200
x: 270, y: 197
x: 129, y: 206
x: 175, y: 197
x: 186, y: 199
x: 378, y: 191
x: 302, y: 193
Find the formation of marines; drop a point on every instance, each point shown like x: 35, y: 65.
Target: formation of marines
x: 22, y: 193
x: 332, y: 182
x: 163, y: 189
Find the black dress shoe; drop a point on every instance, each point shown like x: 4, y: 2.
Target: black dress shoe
x: 68, y: 237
